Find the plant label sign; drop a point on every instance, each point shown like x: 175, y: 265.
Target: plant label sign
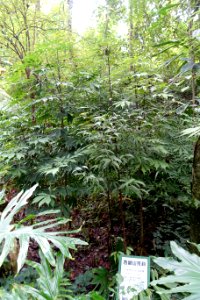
x: 135, y: 275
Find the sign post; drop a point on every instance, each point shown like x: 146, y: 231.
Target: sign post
x: 135, y: 272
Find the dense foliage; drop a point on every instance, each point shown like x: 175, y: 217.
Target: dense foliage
x: 100, y: 122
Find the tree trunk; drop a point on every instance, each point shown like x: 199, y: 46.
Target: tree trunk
x: 69, y: 19
x: 107, y: 55
x: 195, y: 211
x: 35, y: 32
x: 131, y: 37
x: 70, y: 34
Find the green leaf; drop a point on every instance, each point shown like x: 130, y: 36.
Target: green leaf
x: 164, y: 10
x: 43, y: 198
x: 186, y: 271
x: 168, y: 43
x: 23, y: 250
x: 9, y: 232
x: 191, y: 131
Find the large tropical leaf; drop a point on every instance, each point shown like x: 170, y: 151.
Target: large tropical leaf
x: 186, y: 273
x: 11, y: 232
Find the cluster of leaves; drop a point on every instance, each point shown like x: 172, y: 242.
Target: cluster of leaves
x: 52, y: 284
x: 186, y: 273
x: 95, y: 117
x: 77, y: 130
x: 15, y: 240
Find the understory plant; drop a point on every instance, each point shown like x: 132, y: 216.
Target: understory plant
x: 52, y: 282
x: 186, y: 274
x: 15, y: 240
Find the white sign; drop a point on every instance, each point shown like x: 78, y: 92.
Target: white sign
x: 135, y: 271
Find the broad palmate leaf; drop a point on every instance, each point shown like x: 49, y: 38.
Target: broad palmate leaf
x: 186, y: 272
x: 10, y: 233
